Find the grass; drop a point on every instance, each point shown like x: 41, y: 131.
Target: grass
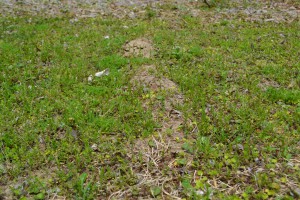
x: 242, y: 93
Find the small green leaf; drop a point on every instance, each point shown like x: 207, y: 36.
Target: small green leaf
x: 199, y: 173
x: 83, y: 177
x: 186, y: 184
x: 17, y: 192
x: 275, y: 186
x: 182, y: 161
x: 39, y: 196
x: 199, y: 184
x: 159, y: 97
x: 151, y: 143
x: 213, y: 173
x: 187, y: 147
x: 155, y: 191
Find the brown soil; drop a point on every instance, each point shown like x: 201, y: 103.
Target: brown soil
x: 266, y: 83
x: 139, y: 47
x: 22, y: 182
x: 276, y: 11
x: 163, y: 111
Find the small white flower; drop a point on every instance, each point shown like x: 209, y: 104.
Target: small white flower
x: 106, y: 37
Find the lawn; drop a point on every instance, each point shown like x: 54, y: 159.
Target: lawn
x: 64, y: 136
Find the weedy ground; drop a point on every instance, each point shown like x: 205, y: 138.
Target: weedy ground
x: 64, y: 137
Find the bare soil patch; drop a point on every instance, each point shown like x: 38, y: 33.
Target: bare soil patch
x: 163, y: 111
x: 139, y: 47
x: 23, y: 183
x: 266, y: 83
x: 259, y: 12
x: 254, y: 11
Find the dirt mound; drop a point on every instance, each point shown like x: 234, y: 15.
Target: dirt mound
x: 158, y: 164
x: 146, y: 77
x: 158, y: 156
x: 139, y: 47
x: 172, y: 119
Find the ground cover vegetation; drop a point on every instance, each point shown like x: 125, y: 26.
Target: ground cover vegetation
x: 193, y: 107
